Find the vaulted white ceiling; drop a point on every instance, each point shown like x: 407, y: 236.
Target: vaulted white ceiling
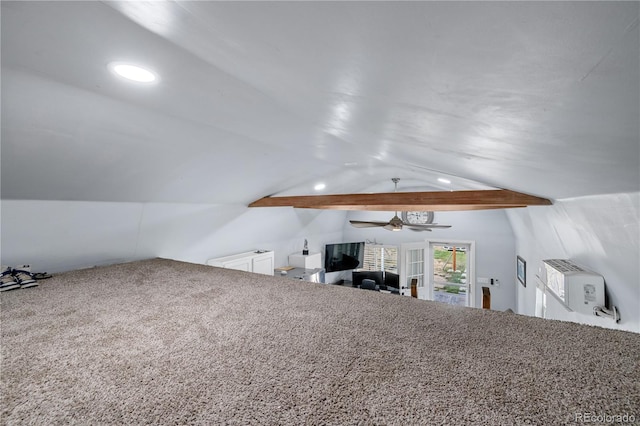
x: 260, y: 98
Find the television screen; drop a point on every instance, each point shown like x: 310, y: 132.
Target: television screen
x: 343, y: 256
x: 391, y: 280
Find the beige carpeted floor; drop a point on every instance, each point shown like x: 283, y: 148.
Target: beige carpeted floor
x: 165, y: 342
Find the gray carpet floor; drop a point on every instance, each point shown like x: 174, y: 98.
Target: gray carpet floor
x: 166, y: 342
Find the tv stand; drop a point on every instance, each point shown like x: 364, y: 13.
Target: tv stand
x: 345, y: 283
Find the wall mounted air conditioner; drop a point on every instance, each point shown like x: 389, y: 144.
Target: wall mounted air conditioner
x: 579, y: 289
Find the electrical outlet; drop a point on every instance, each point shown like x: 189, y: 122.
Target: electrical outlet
x: 483, y: 280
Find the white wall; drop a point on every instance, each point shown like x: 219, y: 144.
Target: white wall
x: 490, y: 229
x: 55, y: 236
x: 600, y: 233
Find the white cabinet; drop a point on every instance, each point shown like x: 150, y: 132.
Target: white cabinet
x: 244, y: 264
x: 306, y: 261
x: 263, y: 264
x: 258, y: 261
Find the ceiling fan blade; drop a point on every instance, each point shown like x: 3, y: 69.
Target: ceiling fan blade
x: 365, y: 224
x: 429, y: 226
x: 414, y: 229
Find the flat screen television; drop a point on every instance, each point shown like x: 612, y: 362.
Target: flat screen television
x: 392, y: 280
x: 343, y: 256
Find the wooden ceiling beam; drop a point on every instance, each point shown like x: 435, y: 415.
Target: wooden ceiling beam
x: 409, y: 201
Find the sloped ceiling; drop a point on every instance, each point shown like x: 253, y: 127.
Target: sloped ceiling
x: 262, y: 98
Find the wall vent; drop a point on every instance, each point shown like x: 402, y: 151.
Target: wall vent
x: 564, y: 265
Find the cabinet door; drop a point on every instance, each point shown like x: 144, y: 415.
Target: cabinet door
x: 239, y: 264
x: 263, y: 264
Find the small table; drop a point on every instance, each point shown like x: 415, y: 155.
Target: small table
x: 311, y: 275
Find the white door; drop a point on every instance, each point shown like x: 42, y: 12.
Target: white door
x: 413, y: 258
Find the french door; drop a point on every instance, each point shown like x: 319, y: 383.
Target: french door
x: 414, y: 260
x: 443, y: 270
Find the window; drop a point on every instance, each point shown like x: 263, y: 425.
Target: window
x: 380, y: 258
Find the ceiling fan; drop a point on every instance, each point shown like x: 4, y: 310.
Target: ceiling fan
x: 396, y: 224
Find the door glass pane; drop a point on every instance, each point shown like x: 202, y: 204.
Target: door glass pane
x: 415, y: 266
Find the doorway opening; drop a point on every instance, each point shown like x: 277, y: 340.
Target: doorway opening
x: 450, y: 273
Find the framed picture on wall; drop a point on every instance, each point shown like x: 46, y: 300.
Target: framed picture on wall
x: 521, y: 271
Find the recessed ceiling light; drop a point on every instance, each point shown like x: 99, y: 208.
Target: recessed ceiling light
x: 443, y: 180
x: 320, y: 187
x: 133, y: 72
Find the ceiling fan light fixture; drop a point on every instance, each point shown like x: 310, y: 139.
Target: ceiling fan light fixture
x: 397, y: 224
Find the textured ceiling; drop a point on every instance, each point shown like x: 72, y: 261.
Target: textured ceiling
x: 261, y: 98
